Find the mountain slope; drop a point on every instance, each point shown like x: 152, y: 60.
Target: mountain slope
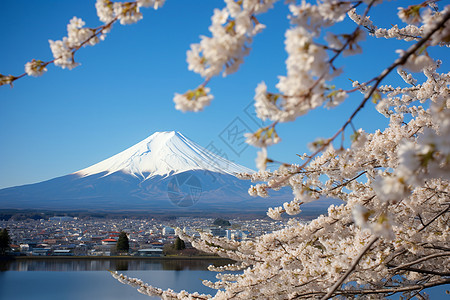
x: 166, y: 172
x: 163, y: 154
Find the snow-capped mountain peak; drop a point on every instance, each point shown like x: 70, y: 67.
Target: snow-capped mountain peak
x: 164, y: 153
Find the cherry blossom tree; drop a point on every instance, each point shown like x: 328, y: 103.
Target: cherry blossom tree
x: 391, y: 235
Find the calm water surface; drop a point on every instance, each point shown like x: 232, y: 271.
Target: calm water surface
x: 68, y: 279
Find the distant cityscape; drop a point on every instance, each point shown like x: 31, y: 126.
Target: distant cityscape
x: 73, y: 236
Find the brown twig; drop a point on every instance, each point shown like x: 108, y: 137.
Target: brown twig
x: 435, y: 218
x: 382, y: 291
x: 425, y: 258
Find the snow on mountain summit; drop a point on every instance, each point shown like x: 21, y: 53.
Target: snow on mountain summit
x: 164, y: 153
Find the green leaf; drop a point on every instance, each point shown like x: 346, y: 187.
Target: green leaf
x: 354, y: 136
x: 376, y: 97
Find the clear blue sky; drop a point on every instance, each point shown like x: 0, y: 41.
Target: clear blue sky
x: 67, y: 120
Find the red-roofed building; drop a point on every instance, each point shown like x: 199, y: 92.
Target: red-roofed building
x: 157, y: 245
x: 109, y: 242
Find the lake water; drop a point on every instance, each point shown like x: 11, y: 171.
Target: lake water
x: 76, y: 279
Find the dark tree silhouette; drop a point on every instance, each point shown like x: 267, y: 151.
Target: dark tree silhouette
x: 5, y: 240
x: 123, y: 244
x: 179, y: 244
x: 221, y: 222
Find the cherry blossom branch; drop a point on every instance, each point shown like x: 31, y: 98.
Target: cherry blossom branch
x: 97, y: 31
x: 431, y: 272
x: 400, y: 61
x: 425, y: 258
x: 232, y: 31
x: 125, y: 15
x: 436, y: 247
x: 397, y: 253
x: 381, y: 291
x: 435, y: 218
x: 152, y: 291
x: 351, y: 269
x: 348, y: 181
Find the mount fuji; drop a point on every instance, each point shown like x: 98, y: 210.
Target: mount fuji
x: 165, y: 173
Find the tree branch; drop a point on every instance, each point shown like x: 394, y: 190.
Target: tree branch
x: 382, y: 291
x: 351, y: 269
x: 400, y: 61
x: 435, y: 217
x: 425, y: 258
x: 431, y: 272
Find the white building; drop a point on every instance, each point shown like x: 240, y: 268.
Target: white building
x: 150, y: 252
x: 168, y: 231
